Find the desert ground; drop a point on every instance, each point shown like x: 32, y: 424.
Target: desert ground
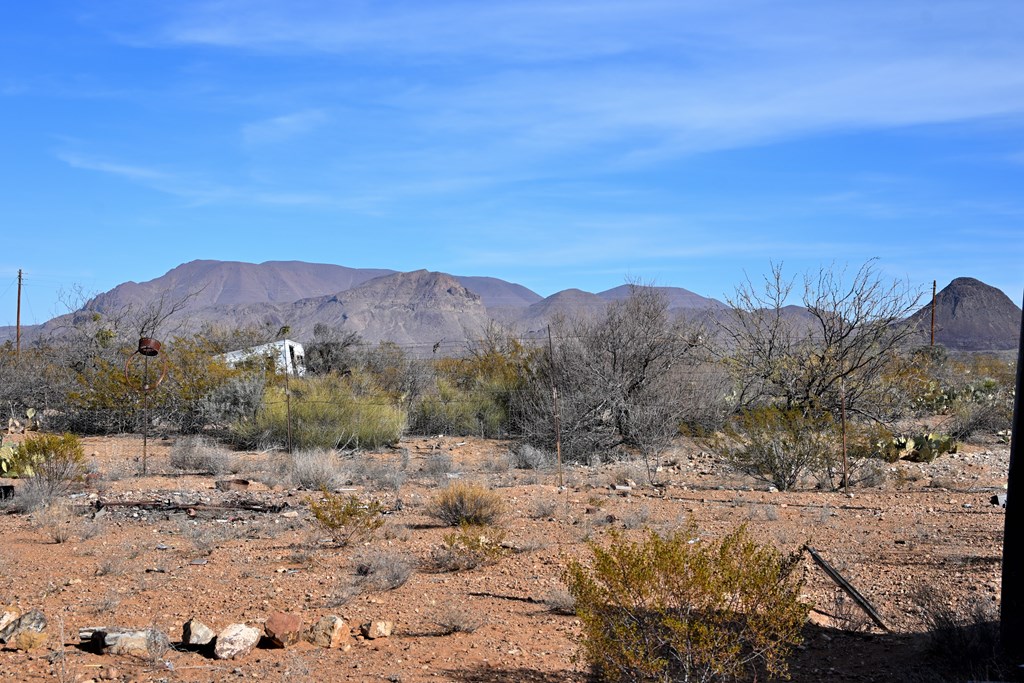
x: 156, y: 550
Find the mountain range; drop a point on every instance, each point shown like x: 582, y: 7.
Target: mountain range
x: 423, y: 308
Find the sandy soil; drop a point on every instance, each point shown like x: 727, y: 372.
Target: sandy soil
x: 928, y: 525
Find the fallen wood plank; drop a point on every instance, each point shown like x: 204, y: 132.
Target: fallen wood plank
x: 848, y: 588
x: 182, y: 507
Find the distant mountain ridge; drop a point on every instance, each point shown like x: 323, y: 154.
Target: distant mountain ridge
x: 424, y: 308
x: 971, y: 316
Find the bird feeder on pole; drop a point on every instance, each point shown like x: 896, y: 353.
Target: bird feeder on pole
x: 148, y: 348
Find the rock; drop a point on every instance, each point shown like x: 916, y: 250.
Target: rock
x: 283, y: 629
x: 232, y: 484
x: 146, y: 643
x: 31, y: 621
x: 376, y: 629
x: 237, y: 640
x: 999, y: 499
x: 7, y: 615
x: 27, y: 640
x: 197, y: 634
x: 329, y: 632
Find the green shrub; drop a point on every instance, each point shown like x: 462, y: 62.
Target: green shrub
x: 54, y: 461
x: 461, y: 503
x: 779, y: 446
x: 327, y: 412
x: 673, y: 608
x: 462, y: 412
x: 348, y: 519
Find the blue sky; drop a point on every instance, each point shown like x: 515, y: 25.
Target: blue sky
x: 554, y: 144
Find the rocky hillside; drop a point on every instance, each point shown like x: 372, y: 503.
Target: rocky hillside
x: 971, y: 316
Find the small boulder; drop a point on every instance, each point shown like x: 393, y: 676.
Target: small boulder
x: 237, y: 640
x: 7, y: 615
x: 27, y: 641
x: 376, y: 629
x: 283, y: 629
x: 330, y: 632
x: 33, y: 621
x: 145, y: 643
x: 195, y: 633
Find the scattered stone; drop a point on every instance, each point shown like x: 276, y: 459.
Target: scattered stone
x: 237, y: 640
x: 31, y: 621
x: 283, y: 629
x: 7, y: 615
x: 197, y: 634
x: 329, y: 632
x: 376, y: 629
x: 146, y: 643
x: 290, y: 514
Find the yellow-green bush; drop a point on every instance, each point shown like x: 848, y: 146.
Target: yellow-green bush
x: 452, y: 410
x: 55, y: 461
x: 462, y: 503
x: 348, y: 518
x: 473, y: 394
x: 327, y: 412
x: 468, y: 548
x: 676, y: 608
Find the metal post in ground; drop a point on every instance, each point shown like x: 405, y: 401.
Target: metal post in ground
x: 1011, y: 613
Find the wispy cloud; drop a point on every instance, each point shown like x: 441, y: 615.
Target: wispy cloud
x: 138, y: 173
x: 283, y: 128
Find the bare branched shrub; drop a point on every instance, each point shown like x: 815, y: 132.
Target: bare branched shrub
x: 58, y: 522
x: 458, y: 619
x: 560, y: 601
x: 468, y: 548
x: 962, y: 641
x: 382, y: 570
x: 618, y: 378
x: 438, y: 465
x: 542, y: 508
x: 528, y: 457
x: 316, y: 469
x: 838, y: 348
x: 31, y: 496
x: 462, y: 503
x: 381, y: 476
x: 194, y: 453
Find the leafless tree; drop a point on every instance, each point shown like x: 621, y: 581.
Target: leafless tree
x: 837, y: 346
x: 618, y: 379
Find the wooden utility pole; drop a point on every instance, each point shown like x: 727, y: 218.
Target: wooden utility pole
x: 554, y: 399
x: 17, y: 323
x: 934, y: 283
x: 1011, y: 611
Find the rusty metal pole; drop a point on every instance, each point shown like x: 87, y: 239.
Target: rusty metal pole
x: 17, y: 333
x: 1011, y: 613
x: 934, y: 283
x: 145, y: 412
